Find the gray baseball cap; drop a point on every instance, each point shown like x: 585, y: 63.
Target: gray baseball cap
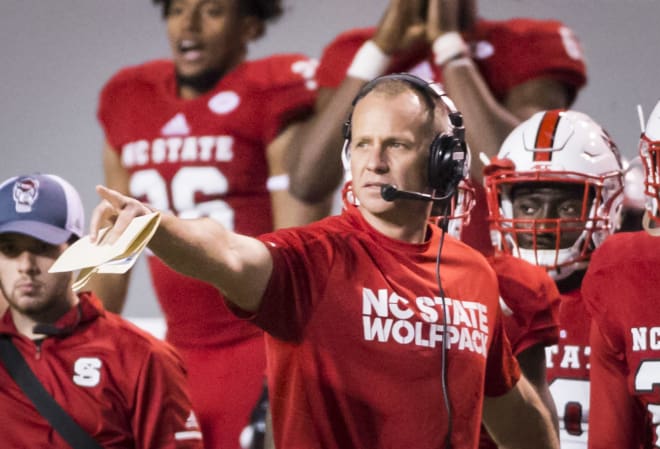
x: 42, y: 206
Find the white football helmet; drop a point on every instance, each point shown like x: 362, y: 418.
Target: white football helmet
x: 633, y: 183
x: 556, y: 147
x: 649, y: 152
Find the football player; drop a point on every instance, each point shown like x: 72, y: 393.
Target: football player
x: 554, y: 194
x: 529, y: 299
x: 621, y: 289
x: 203, y: 134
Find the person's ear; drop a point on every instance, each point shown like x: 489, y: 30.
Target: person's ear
x: 252, y: 28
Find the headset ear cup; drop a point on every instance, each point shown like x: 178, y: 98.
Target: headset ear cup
x: 346, y: 129
x: 446, y: 170
x: 439, y: 152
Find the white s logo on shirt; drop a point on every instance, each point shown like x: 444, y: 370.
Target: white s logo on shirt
x: 87, y: 371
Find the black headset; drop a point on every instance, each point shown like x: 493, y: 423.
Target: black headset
x: 447, y: 152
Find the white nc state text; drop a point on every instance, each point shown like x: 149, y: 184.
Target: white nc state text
x: 387, y: 316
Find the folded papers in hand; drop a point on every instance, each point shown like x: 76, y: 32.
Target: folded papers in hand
x: 90, y: 258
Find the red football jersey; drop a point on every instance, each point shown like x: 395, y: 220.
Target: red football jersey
x: 622, y: 292
x: 567, y: 367
x: 507, y: 53
x: 530, y: 303
x: 120, y: 384
x: 203, y: 157
x: 207, y: 157
x: 354, y: 324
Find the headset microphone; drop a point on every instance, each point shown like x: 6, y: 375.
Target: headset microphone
x: 390, y: 193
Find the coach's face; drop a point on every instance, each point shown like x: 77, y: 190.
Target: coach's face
x: 390, y: 138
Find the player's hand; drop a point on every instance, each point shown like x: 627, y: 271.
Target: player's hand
x: 115, y: 210
x: 401, y: 27
x: 442, y: 17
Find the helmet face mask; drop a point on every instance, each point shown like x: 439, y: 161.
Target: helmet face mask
x: 551, y: 153
x: 649, y: 152
x: 560, y: 242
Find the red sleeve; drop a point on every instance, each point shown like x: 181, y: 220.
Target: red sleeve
x: 338, y: 55
x: 291, y: 90
x: 294, y: 284
x: 612, y: 412
x: 502, y: 370
x: 528, y: 49
x: 162, y: 416
x: 532, y: 301
x: 109, y: 102
x: 597, y: 286
x: 615, y: 416
x: 543, y: 328
x: 124, y: 93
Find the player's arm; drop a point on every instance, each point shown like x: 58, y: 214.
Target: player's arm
x: 532, y: 365
x: 612, y: 412
x: 314, y: 164
x: 287, y: 209
x: 239, y: 266
x: 518, y: 419
x: 488, y: 121
x: 112, y: 288
x: 162, y: 412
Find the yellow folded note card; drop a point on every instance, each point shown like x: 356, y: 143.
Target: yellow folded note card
x: 118, y: 257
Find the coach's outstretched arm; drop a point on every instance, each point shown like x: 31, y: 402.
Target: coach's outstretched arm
x: 239, y: 266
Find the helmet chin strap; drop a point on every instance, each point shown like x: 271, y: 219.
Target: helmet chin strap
x: 553, y: 261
